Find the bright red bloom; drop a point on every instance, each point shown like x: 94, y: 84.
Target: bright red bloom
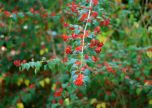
x: 7, y: 13
x: 95, y: 2
x: 100, y: 44
x: 71, y: 28
x: 68, y: 50
x: 98, y: 49
x: 79, y: 80
x: 78, y: 63
x: 17, y: 63
x: 65, y: 24
x: 74, y: 36
x: 65, y: 37
x: 86, y: 56
x: 32, y: 86
x: 84, y: 16
x: 97, y: 29
x: 58, y: 93
x: 94, y: 14
x: 93, y: 42
x: 79, y: 48
x: 105, y: 22
x: 94, y: 58
x: 73, y: 6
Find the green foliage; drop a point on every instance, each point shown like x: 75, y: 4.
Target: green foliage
x: 35, y: 36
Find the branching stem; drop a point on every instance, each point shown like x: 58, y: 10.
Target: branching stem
x: 85, y: 28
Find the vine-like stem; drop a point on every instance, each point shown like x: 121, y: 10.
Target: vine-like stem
x: 84, y: 33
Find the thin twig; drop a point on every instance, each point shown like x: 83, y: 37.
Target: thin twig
x: 85, y: 28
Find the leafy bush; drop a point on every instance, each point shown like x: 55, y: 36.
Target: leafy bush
x: 84, y: 53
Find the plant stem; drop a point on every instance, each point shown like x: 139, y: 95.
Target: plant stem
x: 85, y: 28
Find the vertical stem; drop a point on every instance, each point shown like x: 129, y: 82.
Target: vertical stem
x: 84, y: 33
x: 53, y: 46
x: 10, y: 27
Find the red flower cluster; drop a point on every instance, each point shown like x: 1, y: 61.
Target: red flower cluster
x: 105, y: 22
x: 94, y: 58
x: 94, y: 14
x: 65, y: 37
x: 98, y: 45
x: 7, y: 13
x: 73, y: 6
x: 79, y: 80
x: 68, y: 50
x: 84, y: 16
x: 78, y: 63
x: 58, y: 92
x: 79, y: 48
x: 19, y: 62
x: 109, y: 68
x: 95, y: 2
x: 97, y: 29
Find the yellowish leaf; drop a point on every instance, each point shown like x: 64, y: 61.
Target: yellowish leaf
x: 149, y: 54
x: 42, y: 52
x: 67, y: 101
x: 150, y: 101
x: 47, y: 80
x: 27, y: 82
x: 101, y: 105
x: 20, y: 105
x: 53, y: 87
x: 93, y: 101
x: 42, y: 83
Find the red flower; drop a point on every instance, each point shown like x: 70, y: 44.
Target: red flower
x: 86, y: 56
x: 32, y: 86
x: 68, y: 50
x: 61, y: 101
x: 17, y: 63
x: 100, y: 44
x: 65, y: 59
x: 74, y: 36
x: 58, y: 93
x: 95, y: 2
x: 94, y: 58
x: 105, y: 22
x: 53, y: 14
x: 108, y: 93
x: 79, y: 48
x: 98, y: 49
x: 73, y: 6
x: 93, y: 42
x: 78, y: 63
x: 71, y: 28
x: 94, y: 14
x: 32, y: 10
x: 97, y: 29
x: 7, y: 13
x: 79, y: 80
x: 65, y: 24
x: 23, y: 62
x: 65, y: 37
x: 84, y: 16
